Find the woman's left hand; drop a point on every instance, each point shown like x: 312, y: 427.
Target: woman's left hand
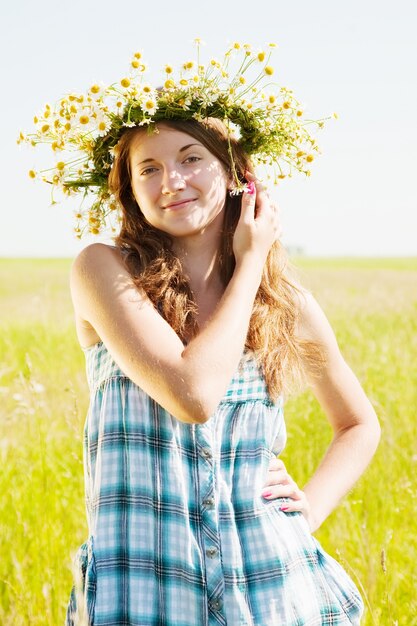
x: 279, y: 484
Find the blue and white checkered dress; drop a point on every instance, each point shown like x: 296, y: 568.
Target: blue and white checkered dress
x: 179, y: 534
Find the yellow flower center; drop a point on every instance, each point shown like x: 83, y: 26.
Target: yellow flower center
x: 269, y: 70
x: 84, y: 119
x: 125, y: 82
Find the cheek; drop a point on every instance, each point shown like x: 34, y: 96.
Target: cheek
x: 142, y: 194
x: 219, y: 189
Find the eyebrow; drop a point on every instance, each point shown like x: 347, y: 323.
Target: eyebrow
x: 183, y: 149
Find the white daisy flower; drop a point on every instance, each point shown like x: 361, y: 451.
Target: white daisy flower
x: 103, y: 125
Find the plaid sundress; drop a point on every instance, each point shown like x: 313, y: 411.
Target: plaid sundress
x: 179, y: 534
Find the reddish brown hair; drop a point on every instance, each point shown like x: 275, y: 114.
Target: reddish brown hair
x: 155, y: 268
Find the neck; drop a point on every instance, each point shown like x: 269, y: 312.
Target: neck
x: 199, y: 256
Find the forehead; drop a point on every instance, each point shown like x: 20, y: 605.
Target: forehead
x: 150, y: 145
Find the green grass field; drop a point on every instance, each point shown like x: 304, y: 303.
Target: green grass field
x: 372, y: 305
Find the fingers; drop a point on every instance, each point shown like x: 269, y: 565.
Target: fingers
x: 256, y: 230
x: 255, y: 184
x: 247, y: 211
x: 277, y: 472
x: 263, y: 204
x: 301, y: 505
x: 251, y: 178
x: 294, y: 504
x: 276, y: 464
x: 279, y: 477
x: 287, y: 490
x: 279, y: 484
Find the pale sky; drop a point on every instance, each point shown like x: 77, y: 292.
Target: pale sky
x: 357, y: 58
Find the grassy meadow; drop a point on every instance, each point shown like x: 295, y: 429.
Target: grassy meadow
x: 372, y: 305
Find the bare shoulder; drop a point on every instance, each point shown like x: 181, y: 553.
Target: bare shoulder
x: 312, y: 323
x: 93, y: 257
x: 98, y: 267
x: 101, y: 285
x: 111, y: 308
x: 88, y: 272
x: 334, y: 384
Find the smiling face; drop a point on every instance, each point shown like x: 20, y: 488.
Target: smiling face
x: 179, y: 185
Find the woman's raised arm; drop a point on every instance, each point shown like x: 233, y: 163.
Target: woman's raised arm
x: 190, y: 381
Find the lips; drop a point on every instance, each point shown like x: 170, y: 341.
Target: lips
x: 179, y: 203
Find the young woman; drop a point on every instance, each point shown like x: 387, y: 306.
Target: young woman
x: 192, y: 331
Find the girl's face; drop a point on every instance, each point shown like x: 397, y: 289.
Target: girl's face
x: 179, y: 184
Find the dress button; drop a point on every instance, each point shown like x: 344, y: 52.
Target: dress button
x: 209, y: 502
x: 216, y: 604
x: 211, y: 552
x: 207, y: 454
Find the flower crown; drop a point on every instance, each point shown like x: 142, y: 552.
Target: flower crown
x: 84, y: 129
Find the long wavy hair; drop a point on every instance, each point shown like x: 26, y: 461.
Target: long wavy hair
x: 154, y: 267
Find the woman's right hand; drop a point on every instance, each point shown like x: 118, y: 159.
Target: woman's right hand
x: 258, y: 227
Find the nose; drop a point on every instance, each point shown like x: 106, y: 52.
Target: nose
x: 172, y: 181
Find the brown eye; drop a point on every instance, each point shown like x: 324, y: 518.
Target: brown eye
x: 192, y: 159
x: 149, y: 170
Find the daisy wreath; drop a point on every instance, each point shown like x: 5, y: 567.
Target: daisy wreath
x: 83, y: 129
